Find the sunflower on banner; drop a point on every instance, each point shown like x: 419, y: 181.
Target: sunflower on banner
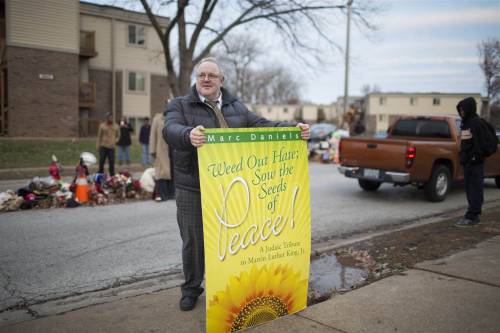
x: 255, y: 297
x: 256, y: 220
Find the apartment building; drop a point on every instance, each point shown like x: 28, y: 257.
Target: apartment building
x: 67, y: 63
x: 382, y: 108
x: 276, y: 112
x: 310, y: 113
x: 318, y: 113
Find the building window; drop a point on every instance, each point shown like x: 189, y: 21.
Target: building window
x: 136, y: 35
x: 136, y: 82
x: 436, y: 101
x: 382, y: 100
x: 413, y: 101
x: 268, y: 110
x: 382, y: 117
x: 285, y: 110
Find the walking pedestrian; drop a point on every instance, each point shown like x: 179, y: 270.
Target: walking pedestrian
x: 125, y: 141
x: 208, y: 105
x: 144, y: 140
x: 107, y: 137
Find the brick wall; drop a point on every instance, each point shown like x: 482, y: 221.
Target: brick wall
x: 159, y: 94
x: 103, y: 84
x: 42, y: 107
x: 102, y: 79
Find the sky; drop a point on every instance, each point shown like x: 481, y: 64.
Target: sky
x: 418, y: 46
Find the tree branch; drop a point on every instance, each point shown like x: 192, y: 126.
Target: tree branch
x: 206, y: 12
x: 222, y: 34
x: 181, y: 26
x: 242, y: 20
x: 213, y: 30
x: 165, y: 40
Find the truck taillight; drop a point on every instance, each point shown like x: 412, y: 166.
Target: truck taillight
x: 411, y: 153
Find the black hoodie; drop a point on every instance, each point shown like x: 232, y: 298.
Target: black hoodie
x: 470, y: 152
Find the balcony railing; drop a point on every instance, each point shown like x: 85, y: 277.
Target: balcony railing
x: 87, y: 44
x: 87, y: 94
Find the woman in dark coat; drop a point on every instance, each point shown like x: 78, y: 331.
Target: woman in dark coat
x: 125, y: 141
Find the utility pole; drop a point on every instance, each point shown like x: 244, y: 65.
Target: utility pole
x: 346, y: 77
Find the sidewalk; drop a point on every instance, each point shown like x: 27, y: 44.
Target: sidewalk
x: 460, y: 293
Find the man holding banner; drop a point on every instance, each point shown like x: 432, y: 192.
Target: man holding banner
x: 208, y: 105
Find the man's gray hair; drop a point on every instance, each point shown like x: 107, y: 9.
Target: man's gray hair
x: 212, y: 60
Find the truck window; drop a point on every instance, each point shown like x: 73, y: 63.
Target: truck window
x: 428, y: 128
x: 405, y: 127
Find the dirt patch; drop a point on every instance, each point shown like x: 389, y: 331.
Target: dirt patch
x: 404, y: 249
x: 396, y: 252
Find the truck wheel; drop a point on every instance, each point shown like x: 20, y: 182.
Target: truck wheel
x: 438, y: 186
x: 497, y: 181
x: 369, y: 185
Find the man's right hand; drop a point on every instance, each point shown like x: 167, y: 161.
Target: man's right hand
x: 197, y: 136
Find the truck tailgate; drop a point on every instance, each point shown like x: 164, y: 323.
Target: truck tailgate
x: 384, y: 154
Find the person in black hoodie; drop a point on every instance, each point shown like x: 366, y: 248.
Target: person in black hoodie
x: 472, y: 161
x: 125, y: 141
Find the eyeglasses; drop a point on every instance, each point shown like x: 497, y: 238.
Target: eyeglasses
x: 210, y: 76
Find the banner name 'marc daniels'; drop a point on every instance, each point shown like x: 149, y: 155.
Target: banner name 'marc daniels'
x: 255, y: 232
x: 252, y: 137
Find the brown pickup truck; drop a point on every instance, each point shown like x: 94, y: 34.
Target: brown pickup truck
x: 423, y: 151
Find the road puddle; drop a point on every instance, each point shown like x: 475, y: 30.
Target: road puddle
x: 329, y: 275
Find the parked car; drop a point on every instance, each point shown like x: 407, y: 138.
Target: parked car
x: 423, y: 151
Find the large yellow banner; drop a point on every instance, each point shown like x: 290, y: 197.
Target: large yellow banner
x: 257, y: 225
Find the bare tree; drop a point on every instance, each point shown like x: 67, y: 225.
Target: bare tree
x: 201, y: 25
x: 366, y: 89
x: 489, y: 54
x: 254, y: 81
x: 273, y: 84
x: 283, y: 87
x: 237, y: 55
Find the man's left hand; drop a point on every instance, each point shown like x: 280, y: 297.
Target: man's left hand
x: 305, y: 131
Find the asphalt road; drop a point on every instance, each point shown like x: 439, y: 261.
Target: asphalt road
x: 51, y: 253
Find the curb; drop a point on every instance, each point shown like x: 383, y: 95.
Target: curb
x: 66, y: 171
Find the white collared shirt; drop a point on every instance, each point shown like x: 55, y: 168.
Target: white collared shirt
x: 219, y: 100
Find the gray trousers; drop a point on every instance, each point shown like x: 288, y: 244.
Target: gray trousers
x: 190, y: 222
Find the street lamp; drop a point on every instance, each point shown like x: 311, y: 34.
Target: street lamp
x: 346, y: 76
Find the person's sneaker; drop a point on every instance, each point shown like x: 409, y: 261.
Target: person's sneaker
x: 158, y: 199
x: 465, y: 222
x: 187, y: 303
